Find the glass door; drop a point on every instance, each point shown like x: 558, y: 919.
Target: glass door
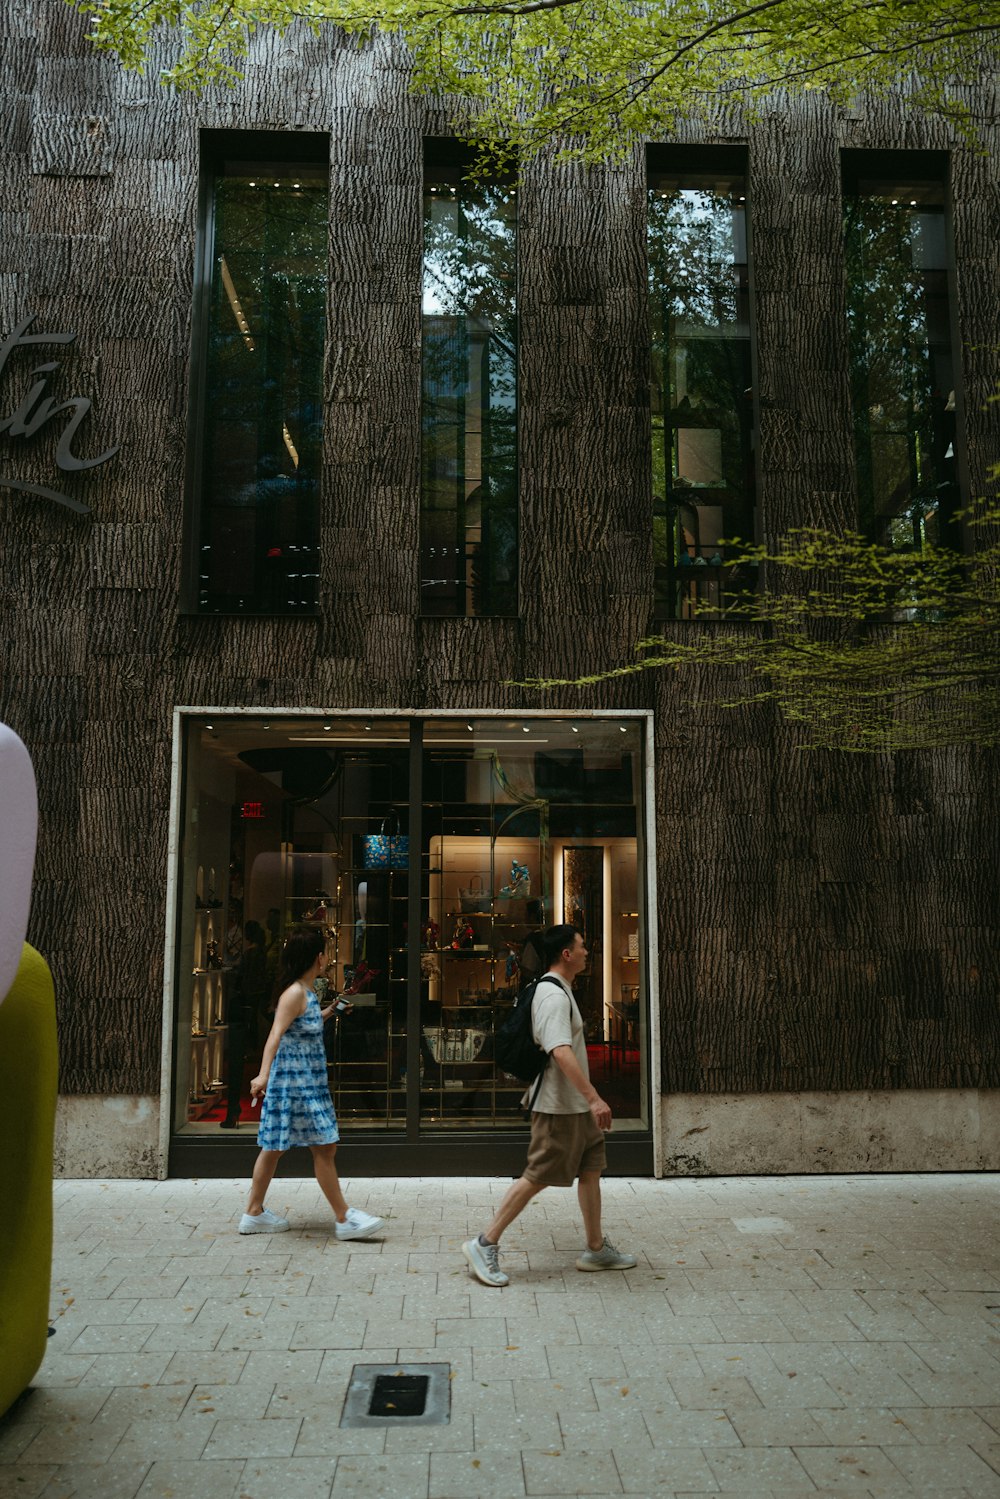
x: 527, y: 824
x: 292, y: 822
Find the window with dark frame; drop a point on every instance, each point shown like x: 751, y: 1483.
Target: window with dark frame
x: 701, y: 395
x: 476, y: 834
x: 257, y: 401
x: 469, y: 484
x: 903, y: 374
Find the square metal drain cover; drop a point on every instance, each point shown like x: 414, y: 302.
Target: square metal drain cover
x: 398, y: 1395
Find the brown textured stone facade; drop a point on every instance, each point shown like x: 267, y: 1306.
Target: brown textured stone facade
x: 824, y: 922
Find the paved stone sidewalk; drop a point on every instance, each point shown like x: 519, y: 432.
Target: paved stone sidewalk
x: 780, y: 1336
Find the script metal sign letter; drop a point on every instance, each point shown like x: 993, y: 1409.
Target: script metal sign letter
x: 35, y: 409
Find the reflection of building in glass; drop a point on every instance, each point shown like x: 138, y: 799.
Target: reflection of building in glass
x: 259, y: 427
x: 468, y: 541
x: 702, y: 406
x: 902, y: 367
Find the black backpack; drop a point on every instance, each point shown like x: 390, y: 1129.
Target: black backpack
x: 514, y: 1048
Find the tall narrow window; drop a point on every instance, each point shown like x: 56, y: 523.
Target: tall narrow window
x: 902, y: 367
x: 468, y: 526
x: 702, y: 402
x: 258, y: 410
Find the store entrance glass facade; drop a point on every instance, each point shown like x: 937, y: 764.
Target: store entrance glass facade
x: 472, y: 833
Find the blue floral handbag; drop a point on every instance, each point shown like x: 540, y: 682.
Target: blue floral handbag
x: 386, y: 850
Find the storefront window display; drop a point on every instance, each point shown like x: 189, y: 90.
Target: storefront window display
x: 471, y: 833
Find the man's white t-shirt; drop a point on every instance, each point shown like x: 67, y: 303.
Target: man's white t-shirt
x: 556, y: 1021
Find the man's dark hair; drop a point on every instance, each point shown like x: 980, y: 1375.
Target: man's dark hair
x: 254, y: 932
x: 557, y: 938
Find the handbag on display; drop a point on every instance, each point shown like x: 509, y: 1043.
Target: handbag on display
x: 388, y: 848
x: 454, y: 1043
x: 476, y: 897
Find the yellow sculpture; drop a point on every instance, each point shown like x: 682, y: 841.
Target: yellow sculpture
x: 28, y: 1084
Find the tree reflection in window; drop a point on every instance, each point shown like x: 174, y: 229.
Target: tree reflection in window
x: 468, y: 541
x: 702, y: 407
x: 902, y: 373
x: 262, y: 418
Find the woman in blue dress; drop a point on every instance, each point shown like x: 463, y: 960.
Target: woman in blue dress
x: 292, y: 1083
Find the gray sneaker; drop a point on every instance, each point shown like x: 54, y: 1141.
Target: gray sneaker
x: 264, y: 1222
x: 484, y: 1262
x: 606, y: 1258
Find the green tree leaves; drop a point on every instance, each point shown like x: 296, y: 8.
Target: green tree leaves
x: 596, y: 76
x: 863, y: 647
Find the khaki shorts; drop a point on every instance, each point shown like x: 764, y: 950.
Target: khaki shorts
x: 562, y: 1146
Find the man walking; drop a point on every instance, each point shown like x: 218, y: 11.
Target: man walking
x: 568, y: 1121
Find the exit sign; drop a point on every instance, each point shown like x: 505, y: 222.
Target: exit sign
x: 252, y: 811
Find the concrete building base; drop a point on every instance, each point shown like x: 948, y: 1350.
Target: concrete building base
x: 722, y: 1134
x: 111, y: 1137
x: 728, y: 1134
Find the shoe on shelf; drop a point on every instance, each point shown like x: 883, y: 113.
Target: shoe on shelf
x: 358, y: 1225
x: 264, y: 1222
x: 484, y: 1262
x: 606, y: 1258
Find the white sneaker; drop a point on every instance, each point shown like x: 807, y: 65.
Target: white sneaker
x: 358, y: 1225
x: 264, y: 1222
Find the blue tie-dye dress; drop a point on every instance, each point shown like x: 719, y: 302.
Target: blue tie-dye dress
x: 297, y: 1108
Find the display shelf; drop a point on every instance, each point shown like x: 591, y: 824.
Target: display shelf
x: 464, y: 991
x: 466, y: 899
x: 368, y: 1060
x: 363, y: 1061
x: 628, y: 936
x: 206, y: 1071
x: 207, y: 994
